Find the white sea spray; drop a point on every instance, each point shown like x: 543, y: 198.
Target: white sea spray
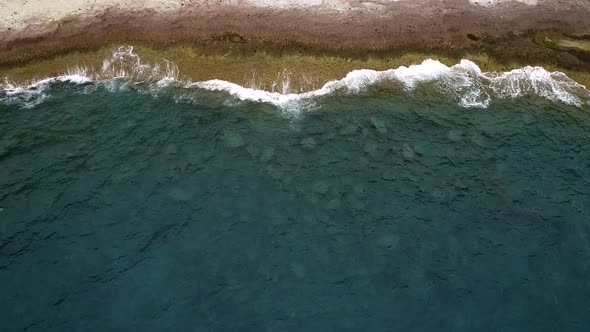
x: 465, y: 82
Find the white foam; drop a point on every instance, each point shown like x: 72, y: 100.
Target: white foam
x: 465, y: 82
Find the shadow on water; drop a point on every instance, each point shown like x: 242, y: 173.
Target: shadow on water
x: 121, y: 211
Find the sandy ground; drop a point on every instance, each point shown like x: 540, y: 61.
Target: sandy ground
x: 18, y: 13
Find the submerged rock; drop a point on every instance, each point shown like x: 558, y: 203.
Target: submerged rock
x: 320, y: 187
x: 477, y: 139
x: 333, y: 204
x: 370, y: 148
x: 232, y: 139
x: 267, y: 154
x: 359, y: 190
x: 528, y: 119
x: 419, y: 149
x: 408, y: 152
x: 253, y: 151
x: 460, y: 184
x: 388, y: 241
x: 357, y: 204
x: 348, y: 130
x: 455, y: 135
x: 180, y: 194
x: 438, y: 194
x: 365, y: 131
x: 379, y: 125
x: 309, y: 143
x: 389, y: 176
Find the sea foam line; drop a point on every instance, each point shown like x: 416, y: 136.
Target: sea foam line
x: 464, y: 81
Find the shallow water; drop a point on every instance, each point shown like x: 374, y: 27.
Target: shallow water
x: 125, y: 211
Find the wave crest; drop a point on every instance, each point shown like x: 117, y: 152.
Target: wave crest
x: 465, y: 82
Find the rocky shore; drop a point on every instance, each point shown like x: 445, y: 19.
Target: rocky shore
x: 225, y: 39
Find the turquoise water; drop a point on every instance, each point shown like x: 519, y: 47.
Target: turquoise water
x: 180, y: 210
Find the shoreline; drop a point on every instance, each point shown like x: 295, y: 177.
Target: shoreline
x: 230, y: 41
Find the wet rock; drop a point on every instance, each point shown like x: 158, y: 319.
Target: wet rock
x: 232, y: 139
x: 407, y: 152
x: 455, y: 135
x: 309, y: 143
x: 379, y: 125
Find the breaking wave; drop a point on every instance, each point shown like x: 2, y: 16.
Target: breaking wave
x: 464, y: 82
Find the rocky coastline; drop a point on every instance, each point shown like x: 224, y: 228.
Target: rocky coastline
x: 325, y: 39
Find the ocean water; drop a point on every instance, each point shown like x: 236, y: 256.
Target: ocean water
x: 388, y: 202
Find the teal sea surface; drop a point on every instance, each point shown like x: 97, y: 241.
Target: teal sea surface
x: 128, y: 207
